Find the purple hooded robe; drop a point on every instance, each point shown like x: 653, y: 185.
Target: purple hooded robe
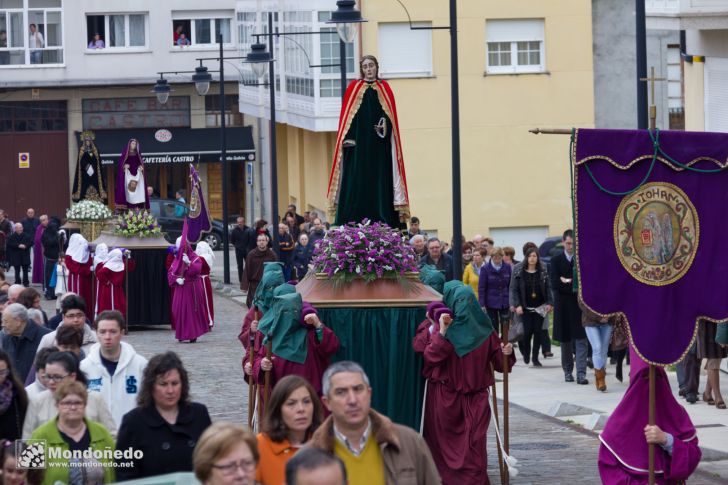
x: 135, y: 162
x: 38, y: 255
x: 188, y: 299
x: 623, y: 452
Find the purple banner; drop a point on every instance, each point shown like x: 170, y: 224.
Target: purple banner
x: 198, y: 219
x: 655, y: 253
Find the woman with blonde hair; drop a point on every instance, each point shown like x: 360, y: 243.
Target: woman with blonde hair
x: 73, y: 433
x: 226, y: 454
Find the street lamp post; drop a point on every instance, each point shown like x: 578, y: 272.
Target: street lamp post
x: 202, y: 79
x: 346, y: 17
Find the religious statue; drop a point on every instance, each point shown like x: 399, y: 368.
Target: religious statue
x: 367, y: 176
x: 88, y: 181
x: 131, y: 192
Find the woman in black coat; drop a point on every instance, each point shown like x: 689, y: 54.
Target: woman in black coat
x: 166, y: 425
x: 13, y: 400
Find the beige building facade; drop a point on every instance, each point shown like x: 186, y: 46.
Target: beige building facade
x: 521, y: 65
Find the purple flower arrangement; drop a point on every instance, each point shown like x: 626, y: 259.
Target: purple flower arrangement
x: 367, y: 250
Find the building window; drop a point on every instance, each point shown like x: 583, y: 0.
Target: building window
x: 675, y: 103
x: 404, y: 52
x: 31, y: 32
x: 200, y: 31
x: 330, y: 83
x: 233, y: 117
x: 515, y: 46
x: 33, y: 116
x: 122, y: 31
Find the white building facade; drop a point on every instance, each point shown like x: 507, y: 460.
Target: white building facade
x: 704, y: 54
x: 94, y: 63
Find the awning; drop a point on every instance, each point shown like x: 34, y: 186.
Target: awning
x: 178, y: 145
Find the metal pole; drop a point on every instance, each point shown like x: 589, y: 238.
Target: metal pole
x: 273, y: 155
x: 457, y: 225
x: 641, y: 49
x: 224, y: 175
x: 342, y: 68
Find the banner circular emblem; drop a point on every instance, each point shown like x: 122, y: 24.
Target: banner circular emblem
x: 195, y: 207
x: 656, y: 233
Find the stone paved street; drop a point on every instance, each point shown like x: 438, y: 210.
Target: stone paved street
x: 552, y: 452
x: 549, y: 451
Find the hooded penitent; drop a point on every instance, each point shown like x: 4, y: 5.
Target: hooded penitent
x: 204, y: 251
x: 624, y: 435
x: 283, y: 325
x: 272, y: 278
x: 101, y: 254
x: 471, y: 326
x: 432, y: 277
x: 115, y: 261
x: 78, y: 249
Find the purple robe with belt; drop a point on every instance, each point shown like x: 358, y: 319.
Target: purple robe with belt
x: 188, y: 300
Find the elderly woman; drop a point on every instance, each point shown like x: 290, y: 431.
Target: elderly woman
x: 30, y: 299
x: 166, y: 425
x: 71, y: 431
x: 226, y: 454
x: 294, y: 413
x: 13, y: 399
x: 495, y: 280
x: 302, y: 256
x: 471, y: 275
x: 63, y: 367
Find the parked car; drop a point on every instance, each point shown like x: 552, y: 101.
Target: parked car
x: 551, y: 247
x: 171, y: 216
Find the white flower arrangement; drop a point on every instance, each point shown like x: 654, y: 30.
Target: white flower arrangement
x: 88, y: 210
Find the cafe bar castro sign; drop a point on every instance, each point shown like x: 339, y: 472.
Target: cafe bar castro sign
x: 125, y: 113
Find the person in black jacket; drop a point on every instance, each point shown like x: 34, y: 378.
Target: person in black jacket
x: 567, y: 316
x: 18, y: 249
x: 302, y: 256
x: 30, y: 222
x: 239, y: 239
x: 14, y: 400
x: 436, y: 258
x: 165, y: 426
x: 51, y: 241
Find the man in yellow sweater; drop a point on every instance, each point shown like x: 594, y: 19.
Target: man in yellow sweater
x: 375, y: 450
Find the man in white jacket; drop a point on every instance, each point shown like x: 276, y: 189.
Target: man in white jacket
x: 112, y: 367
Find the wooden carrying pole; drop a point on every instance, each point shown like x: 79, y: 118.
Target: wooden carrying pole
x: 126, y: 290
x: 266, y: 386
x: 505, y: 326
x: 651, y: 422
x: 251, y: 386
x: 501, y: 464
